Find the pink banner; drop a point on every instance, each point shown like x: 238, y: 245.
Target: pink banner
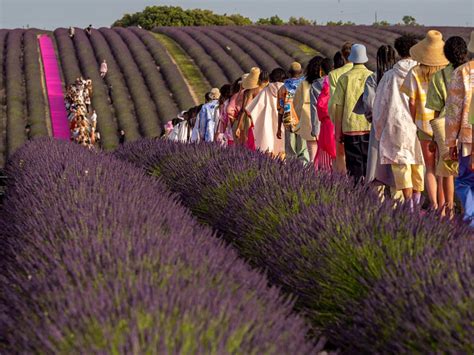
x: 54, y: 88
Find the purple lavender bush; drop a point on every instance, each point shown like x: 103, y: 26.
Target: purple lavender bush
x: 316, y: 236
x: 434, y: 291
x: 96, y: 257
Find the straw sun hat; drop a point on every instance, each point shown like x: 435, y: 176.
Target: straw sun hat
x: 429, y: 51
x: 251, y: 81
x: 215, y: 94
x: 471, y: 43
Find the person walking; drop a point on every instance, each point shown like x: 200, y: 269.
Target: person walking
x: 431, y: 59
x: 455, y: 50
x: 352, y: 130
x: 72, y: 32
x: 295, y: 146
x: 264, y: 113
x: 302, y: 103
x: 103, y: 69
x: 333, y: 79
x: 206, y: 119
x: 320, y: 95
x: 394, y: 128
x: 459, y: 121
x: 380, y: 175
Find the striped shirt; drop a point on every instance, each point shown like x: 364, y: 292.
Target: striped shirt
x: 416, y: 88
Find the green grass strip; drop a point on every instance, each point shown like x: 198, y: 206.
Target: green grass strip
x: 196, y: 80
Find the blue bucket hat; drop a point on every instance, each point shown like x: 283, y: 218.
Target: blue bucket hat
x: 358, y: 54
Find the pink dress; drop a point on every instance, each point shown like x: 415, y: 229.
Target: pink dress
x: 327, y: 139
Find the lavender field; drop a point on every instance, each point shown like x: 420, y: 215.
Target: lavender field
x: 146, y: 246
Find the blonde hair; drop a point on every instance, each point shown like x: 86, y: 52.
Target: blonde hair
x: 427, y: 71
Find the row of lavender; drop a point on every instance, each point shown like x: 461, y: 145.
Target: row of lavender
x: 22, y: 100
x: 376, y: 278
x: 97, y: 257
x: 143, y: 88
x: 142, y: 91
x: 223, y: 53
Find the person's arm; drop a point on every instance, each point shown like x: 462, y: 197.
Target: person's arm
x: 454, y: 112
x: 280, y: 108
x: 412, y: 106
x: 338, y: 123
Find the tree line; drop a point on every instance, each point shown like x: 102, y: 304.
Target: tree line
x: 175, y: 16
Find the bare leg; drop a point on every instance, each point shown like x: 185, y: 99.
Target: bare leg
x: 430, y: 177
x: 448, y: 187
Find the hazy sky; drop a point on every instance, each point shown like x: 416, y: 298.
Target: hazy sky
x: 50, y: 14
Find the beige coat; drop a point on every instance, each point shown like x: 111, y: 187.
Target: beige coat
x: 302, y: 106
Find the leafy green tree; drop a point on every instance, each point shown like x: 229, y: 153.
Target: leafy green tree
x: 409, y: 21
x: 154, y: 16
x: 274, y: 20
x: 381, y: 23
x: 300, y: 21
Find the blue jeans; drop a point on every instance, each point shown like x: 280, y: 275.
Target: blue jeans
x: 464, y: 185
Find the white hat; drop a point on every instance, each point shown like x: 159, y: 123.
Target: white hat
x: 358, y: 54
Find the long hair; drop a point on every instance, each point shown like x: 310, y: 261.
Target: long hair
x: 327, y: 66
x: 313, y: 70
x: 386, y: 59
x: 427, y: 72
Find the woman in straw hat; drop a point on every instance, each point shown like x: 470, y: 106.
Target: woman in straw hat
x: 455, y: 50
x: 431, y: 59
x: 459, y: 120
x: 264, y: 113
x: 302, y: 103
x: 243, y: 125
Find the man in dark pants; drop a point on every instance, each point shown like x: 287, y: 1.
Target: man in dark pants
x: 353, y: 130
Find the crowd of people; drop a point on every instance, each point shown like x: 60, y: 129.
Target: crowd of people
x: 82, y: 118
x: 404, y: 129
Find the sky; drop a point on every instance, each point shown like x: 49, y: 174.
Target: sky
x: 50, y: 14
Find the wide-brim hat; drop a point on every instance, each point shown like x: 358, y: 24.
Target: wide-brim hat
x: 215, y: 94
x: 358, y: 54
x: 430, y: 51
x: 251, y: 81
x: 470, y: 46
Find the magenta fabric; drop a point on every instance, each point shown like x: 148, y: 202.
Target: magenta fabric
x: 54, y: 89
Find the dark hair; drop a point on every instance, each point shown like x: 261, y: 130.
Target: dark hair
x: 313, y: 69
x: 404, y: 43
x: 455, y: 49
x: 327, y: 65
x: 346, y: 50
x: 386, y: 59
x: 225, y: 92
x: 207, y: 97
x: 235, y: 87
x: 278, y: 75
x: 338, y: 60
x: 263, y: 77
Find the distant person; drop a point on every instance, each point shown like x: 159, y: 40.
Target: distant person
x: 459, y: 121
x: 353, y: 130
x: 394, y: 128
x: 264, y: 113
x: 72, y: 32
x: 338, y: 60
x: 302, y: 103
x: 333, y: 79
x: 121, y: 134
x: 431, y: 59
x: 252, y: 85
x: 379, y: 175
x: 89, y: 30
x: 455, y: 50
x: 295, y: 146
x: 103, y: 69
x: 207, y: 122
x: 320, y: 94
